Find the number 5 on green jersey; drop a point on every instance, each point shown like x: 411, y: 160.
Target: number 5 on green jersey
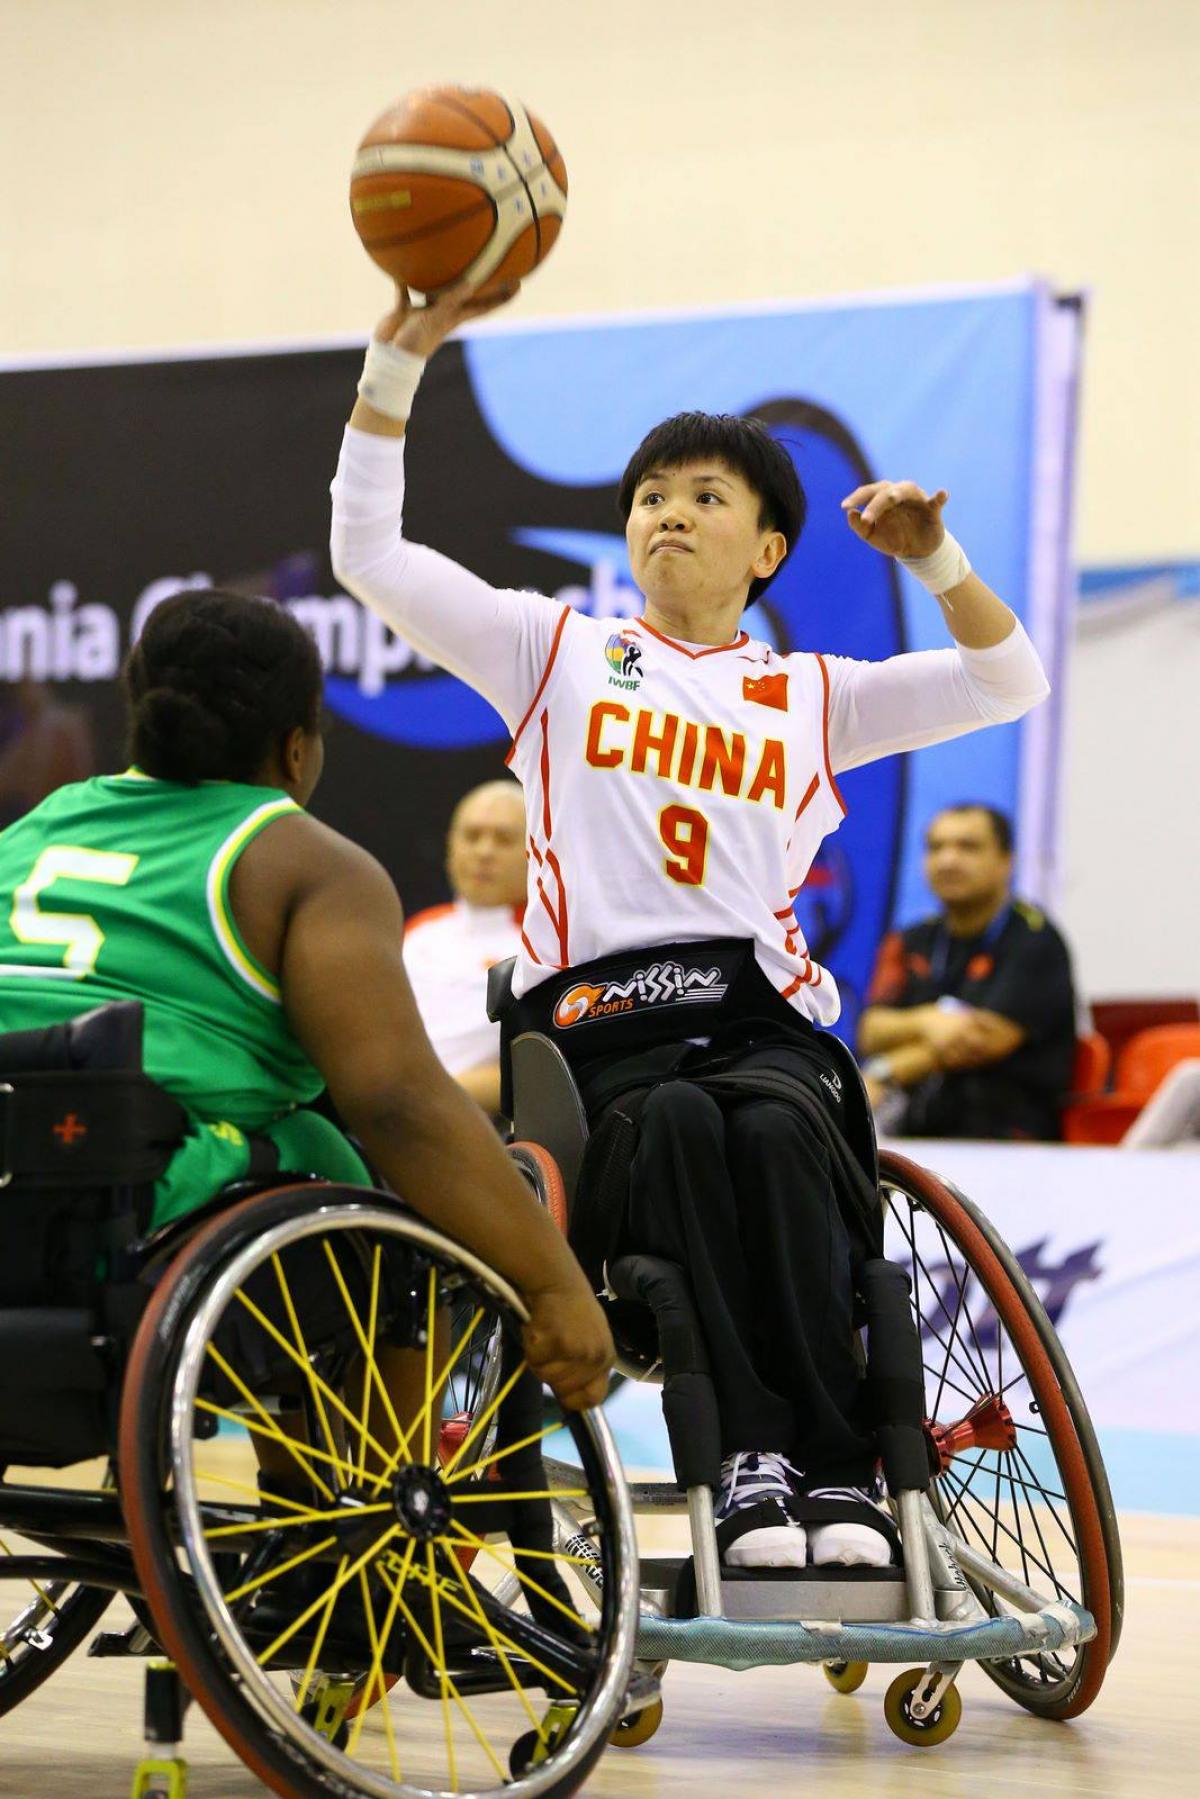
x: 76, y: 932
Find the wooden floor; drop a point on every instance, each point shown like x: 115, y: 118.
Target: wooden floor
x: 776, y: 1732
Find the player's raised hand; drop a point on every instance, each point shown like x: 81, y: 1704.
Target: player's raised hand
x: 422, y: 329
x: 897, y: 517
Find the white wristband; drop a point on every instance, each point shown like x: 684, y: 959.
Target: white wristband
x: 941, y: 571
x: 390, y: 378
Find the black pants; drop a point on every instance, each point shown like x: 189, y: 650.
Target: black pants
x: 740, y: 1194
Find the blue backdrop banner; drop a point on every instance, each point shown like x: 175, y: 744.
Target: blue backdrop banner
x: 127, y: 480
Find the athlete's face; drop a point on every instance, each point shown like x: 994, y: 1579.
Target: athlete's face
x: 964, y: 863
x: 485, y: 851
x: 695, y: 539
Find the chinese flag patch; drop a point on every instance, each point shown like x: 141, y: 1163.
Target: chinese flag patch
x: 766, y: 690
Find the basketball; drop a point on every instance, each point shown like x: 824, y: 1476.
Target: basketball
x: 456, y: 183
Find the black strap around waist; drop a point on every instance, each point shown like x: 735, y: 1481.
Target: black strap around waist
x: 101, y: 1128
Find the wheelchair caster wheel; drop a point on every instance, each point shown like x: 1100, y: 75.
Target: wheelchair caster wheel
x: 845, y: 1677
x: 327, y: 1710
x: 160, y: 1779
x: 922, y: 1733
x: 638, y: 1728
x: 530, y: 1750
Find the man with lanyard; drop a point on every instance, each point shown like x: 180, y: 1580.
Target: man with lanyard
x: 679, y: 779
x: 969, y: 1029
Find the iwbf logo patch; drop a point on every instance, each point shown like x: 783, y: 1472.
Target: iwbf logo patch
x: 661, y: 984
x: 623, y: 653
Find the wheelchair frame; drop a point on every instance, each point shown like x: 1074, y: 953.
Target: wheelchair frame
x: 945, y: 1610
x: 952, y: 1603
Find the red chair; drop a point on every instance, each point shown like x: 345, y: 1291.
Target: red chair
x: 1093, y: 1061
x: 1143, y: 1064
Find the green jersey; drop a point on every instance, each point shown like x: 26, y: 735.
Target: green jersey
x: 118, y: 888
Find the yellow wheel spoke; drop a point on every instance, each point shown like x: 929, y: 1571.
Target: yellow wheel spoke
x: 489, y: 1461
x: 443, y: 1376
x: 489, y: 1630
x: 211, y: 1478
x: 299, y: 1452
x: 443, y: 1675
x: 484, y: 1419
x: 377, y: 1648
x: 305, y: 1555
x: 375, y: 1677
x: 319, y: 1636
x: 304, y: 1360
x: 302, y: 1453
x: 307, y: 1517
x: 526, y: 1580
x: 39, y: 1590
x: 366, y: 1342
x: 447, y: 1597
x: 485, y: 1498
x: 430, y: 1334
x: 431, y: 1655
x: 331, y: 1398
x: 340, y: 1581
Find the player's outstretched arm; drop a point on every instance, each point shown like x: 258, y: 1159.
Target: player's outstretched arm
x: 348, y: 999
x: 992, y: 675
x: 497, y: 642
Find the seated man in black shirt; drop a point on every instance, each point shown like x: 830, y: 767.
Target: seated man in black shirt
x: 970, y: 1026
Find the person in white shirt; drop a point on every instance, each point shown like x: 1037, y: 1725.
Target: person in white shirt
x: 449, y: 949
x: 679, y: 778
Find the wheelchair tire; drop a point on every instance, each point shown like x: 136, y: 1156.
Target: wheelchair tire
x: 210, y: 1636
x: 948, y: 1243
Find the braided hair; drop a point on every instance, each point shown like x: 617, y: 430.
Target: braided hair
x: 215, y: 683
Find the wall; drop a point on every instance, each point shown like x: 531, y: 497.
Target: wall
x: 176, y: 173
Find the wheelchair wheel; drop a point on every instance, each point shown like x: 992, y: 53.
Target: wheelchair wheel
x: 388, y: 1616
x: 1022, y: 1481
x: 52, y: 1618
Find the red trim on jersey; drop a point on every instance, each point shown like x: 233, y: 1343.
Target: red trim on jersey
x: 808, y: 794
x: 563, y: 921
x: 837, y: 792
x: 427, y: 917
x: 530, y: 951
x: 716, y: 649
x: 556, y: 913
x: 547, y: 823
x: 541, y: 684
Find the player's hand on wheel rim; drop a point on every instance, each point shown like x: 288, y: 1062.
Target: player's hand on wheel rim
x: 568, y: 1344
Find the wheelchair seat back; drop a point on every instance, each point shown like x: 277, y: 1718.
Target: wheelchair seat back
x: 83, y: 1136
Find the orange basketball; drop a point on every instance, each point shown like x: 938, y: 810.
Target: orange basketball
x: 458, y: 182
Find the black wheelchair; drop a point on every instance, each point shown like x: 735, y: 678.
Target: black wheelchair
x: 1010, y: 1550
x: 316, y: 1471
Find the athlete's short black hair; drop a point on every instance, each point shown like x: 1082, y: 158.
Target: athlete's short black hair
x: 742, y: 444
x: 215, y: 683
x: 1000, y: 822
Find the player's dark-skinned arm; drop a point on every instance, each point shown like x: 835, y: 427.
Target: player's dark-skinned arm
x: 483, y: 1085
x: 348, y: 999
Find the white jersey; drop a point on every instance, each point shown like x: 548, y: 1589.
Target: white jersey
x: 447, y: 952
x: 674, y: 791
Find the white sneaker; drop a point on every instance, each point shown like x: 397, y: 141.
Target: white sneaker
x: 850, y: 1545
x: 755, y: 1527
